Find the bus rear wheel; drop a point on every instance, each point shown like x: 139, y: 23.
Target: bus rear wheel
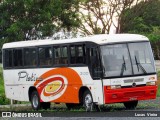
x: 35, y: 100
x: 131, y: 104
x: 36, y: 104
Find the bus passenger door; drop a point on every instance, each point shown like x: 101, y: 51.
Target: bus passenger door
x: 96, y: 73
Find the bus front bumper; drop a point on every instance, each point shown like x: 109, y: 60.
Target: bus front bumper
x: 129, y: 94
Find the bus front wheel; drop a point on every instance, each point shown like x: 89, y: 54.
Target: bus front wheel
x: 88, y: 101
x: 131, y: 104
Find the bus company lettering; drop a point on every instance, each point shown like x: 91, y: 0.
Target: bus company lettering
x: 24, y: 75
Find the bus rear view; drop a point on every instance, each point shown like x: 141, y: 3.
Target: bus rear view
x: 131, y: 71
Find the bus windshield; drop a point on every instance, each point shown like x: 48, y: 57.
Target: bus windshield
x: 127, y: 59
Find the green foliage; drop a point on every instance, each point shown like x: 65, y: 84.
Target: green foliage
x: 158, y: 92
x: 155, y: 34
x: 143, y: 18
x: 3, y: 99
x: 33, y: 19
x: 1, y: 82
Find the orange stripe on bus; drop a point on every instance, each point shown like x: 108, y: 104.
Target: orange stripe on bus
x: 71, y: 94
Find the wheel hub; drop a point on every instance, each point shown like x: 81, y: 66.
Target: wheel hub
x: 35, y: 101
x: 88, y: 100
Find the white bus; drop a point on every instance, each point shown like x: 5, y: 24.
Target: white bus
x: 89, y: 71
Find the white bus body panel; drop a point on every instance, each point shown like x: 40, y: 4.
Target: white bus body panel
x: 17, y: 88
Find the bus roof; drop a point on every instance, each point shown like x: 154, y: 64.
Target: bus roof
x: 99, y: 39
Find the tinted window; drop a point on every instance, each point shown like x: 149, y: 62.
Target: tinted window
x: 8, y: 58
x: 60, y: 55
x: 45, y: 56
x: 64, y: 57
x: 94, y: 62
x: 30, y: 57
x: 17, y: 58
x: 73, y: 55
x: 57, y: 55
x: 78, y: 53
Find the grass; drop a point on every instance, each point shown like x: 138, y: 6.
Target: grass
x: 158, y: 82
x: 1, y: 82
x: 142, y: 105
x: 158, y: 92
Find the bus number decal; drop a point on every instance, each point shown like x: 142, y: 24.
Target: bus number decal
x: 84, y: 73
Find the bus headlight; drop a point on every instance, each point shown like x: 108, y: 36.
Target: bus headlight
x: 152, y: 78
x: 151, y: 83
x: 113, y: 87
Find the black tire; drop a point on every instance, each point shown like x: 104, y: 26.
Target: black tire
x: 88, y: 101
x: 45, y: 105
x: 131, y: 104
x: 35, y: 100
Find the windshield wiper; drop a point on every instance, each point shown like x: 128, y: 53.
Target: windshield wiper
x: 123, y: 66
x: 139, y: 65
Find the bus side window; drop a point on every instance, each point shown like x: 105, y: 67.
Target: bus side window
x: 57, y: 55
x: 17, y: 59
x: 77, y: 54
x: 73, y: 55
x: 64, y: 55
x: 80, y: 56
x: 45, y: 56
x: 8, y: 58
x: 30, y: 57
x: 94, y: 63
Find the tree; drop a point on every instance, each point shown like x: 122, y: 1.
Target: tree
x: 154, y: 37
x: 141, y: 18
x: 35, y: 19
x: 99, y: 15
x: 144, y: 18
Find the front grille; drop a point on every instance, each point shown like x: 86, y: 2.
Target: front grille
x: 134, y: 80
x: 132, y: 86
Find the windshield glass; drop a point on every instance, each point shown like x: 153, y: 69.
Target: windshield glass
x: 127, y: 59
x: 142, y: 58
